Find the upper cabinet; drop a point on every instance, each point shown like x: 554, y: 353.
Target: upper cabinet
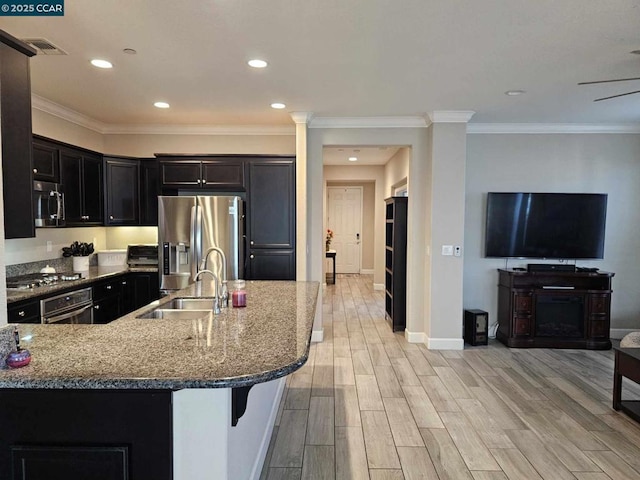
x: 122, y: 185
x: 149, y: 191
x: 46, y: 161
x: 15, y: 111
x: 220, y: 174
x: 81, y: 178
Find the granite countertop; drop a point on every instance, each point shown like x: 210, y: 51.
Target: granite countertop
x: 88, y: 277
x: 268, y: 339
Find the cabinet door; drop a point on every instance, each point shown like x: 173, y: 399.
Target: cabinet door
x: 149, y: 191
x: 145, y: 288
x: 17, y: 166
x: 223, y: 174
x: 46, y: 162
x: 24, y: 312
x: 271, y: 208
x: 92, y: 190
x: 64, y: 462
x: 122, y: 192
x: 107, y: 309
x: 180, y: 174
x: 265, y: 264
x: 71, y: 179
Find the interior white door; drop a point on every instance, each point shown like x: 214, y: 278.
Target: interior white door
x: 345, y: 219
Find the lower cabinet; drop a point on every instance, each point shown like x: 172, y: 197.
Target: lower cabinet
x: 27, y: 311
x: 94, y: 434
x: 139, y: 289
x: 107, y: 300
x: 123, y: 294
x: 264, y: 264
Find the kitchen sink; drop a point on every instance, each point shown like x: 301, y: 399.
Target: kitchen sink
x: 175, y: 314
x: 190, y: 304
x: 182, y: 309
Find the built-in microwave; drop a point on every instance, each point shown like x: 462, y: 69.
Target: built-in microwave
x: 48, y: 204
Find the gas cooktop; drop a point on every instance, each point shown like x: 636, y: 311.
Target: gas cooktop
x: 35, y: 280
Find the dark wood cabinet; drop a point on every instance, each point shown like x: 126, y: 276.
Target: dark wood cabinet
x: 17, y: 161
x: 139, y: 289
x: 554, y: 309
x: 46, y: 161
x: 27, y: 311
x: 108, y: 300
x: 271, y: 219
x: 149, y: 191
x: 121, y: 187
x: 216, y: 174
x: 93, y: 434
x: 81, y: 178
x: 395, y: 285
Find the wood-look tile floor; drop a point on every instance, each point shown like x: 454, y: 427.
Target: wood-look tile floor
x: 369, y: 405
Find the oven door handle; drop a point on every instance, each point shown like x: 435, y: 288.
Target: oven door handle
x: 73, y: 313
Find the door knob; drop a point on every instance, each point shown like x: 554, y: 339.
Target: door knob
x: 357, y: 236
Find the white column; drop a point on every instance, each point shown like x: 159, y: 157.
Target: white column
x: 301, y: 120
x: 443, y: 322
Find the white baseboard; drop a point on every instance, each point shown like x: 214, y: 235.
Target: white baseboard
x: 378, y: 286
x: 266, y: 439
x: 445, y: 343
x: 366, y: 271
x: 415, y: 337
x: 317, y: 336
x: 618, y: 333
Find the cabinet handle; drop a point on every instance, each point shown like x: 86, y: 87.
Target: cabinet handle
x: 35, y: 170
x: 21, y: 313
x: 251, y: 242
x: 108, y: 287
x: 110, y: 217
x: 204, y: 180
x: 198, y: 181
x: 97, y: 307
x: 124, y: 283
x: 251, y: 256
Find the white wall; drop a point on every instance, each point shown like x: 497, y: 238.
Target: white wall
x: 396, y: 171
x: 557, y: 163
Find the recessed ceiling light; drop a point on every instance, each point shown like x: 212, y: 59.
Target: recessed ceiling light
x: 96, y: 62
x: 278, y: 106
x: 353, y: 159
x: 129, y: 51
x: 257, y: 63
x: 514, y: 93
x: 161, y: 105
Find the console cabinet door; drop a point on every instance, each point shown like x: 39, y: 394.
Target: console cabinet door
x: 223, y: 174
x: 271, y: 265
x: 180, y: 174
x: 122, y: 177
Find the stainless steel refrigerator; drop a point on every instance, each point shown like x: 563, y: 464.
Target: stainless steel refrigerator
x: 188, y: 226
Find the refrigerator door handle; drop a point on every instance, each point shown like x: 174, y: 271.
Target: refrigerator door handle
x: 195, y: 241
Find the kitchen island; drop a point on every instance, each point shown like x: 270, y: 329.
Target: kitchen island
x: 175, y: 386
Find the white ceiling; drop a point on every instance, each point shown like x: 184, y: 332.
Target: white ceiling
x: 337, y: 58
x: 365, y: 155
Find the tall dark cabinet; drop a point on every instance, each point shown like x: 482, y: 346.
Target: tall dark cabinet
x: 271, y: 219
x: 395, y: 284
x: 81, y: 177
x: 15, y: 111
x: 121, y: 185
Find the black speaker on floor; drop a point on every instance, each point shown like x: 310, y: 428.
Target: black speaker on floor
x: 476, y: 327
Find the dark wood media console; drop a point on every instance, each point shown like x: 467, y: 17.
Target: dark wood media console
x: 554, y: 309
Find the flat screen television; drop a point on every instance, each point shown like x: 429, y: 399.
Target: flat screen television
x: 545, y: 225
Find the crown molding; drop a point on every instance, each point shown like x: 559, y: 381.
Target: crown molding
x: 547, y: 128
x: 369, y: 122
x: 57, y: 110
x: 301, y: 117
x: 199, y: 130
x: 451, y: 116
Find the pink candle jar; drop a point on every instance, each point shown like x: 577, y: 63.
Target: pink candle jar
x: 239, y: 295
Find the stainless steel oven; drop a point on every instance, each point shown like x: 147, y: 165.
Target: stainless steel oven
x: 48, y: 204
x: 73, y: 307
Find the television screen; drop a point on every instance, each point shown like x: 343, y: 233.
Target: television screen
x: 545, y: 225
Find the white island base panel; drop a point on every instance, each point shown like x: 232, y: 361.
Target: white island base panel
x: 205, y: 445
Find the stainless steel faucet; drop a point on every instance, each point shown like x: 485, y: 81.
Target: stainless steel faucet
x: 216, y: 300
x: 224, y: 298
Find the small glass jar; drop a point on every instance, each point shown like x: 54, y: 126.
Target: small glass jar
x: 239, y: 294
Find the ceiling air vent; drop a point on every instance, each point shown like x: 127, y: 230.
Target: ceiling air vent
x: 44, y: 46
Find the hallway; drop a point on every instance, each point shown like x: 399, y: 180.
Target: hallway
x: 369, y: 405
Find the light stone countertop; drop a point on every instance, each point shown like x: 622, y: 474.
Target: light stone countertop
x: 266, y: 340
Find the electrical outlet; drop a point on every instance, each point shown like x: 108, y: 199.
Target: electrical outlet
x: 49, y: 246
x: 457, y: 250
x: 447, y: 250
